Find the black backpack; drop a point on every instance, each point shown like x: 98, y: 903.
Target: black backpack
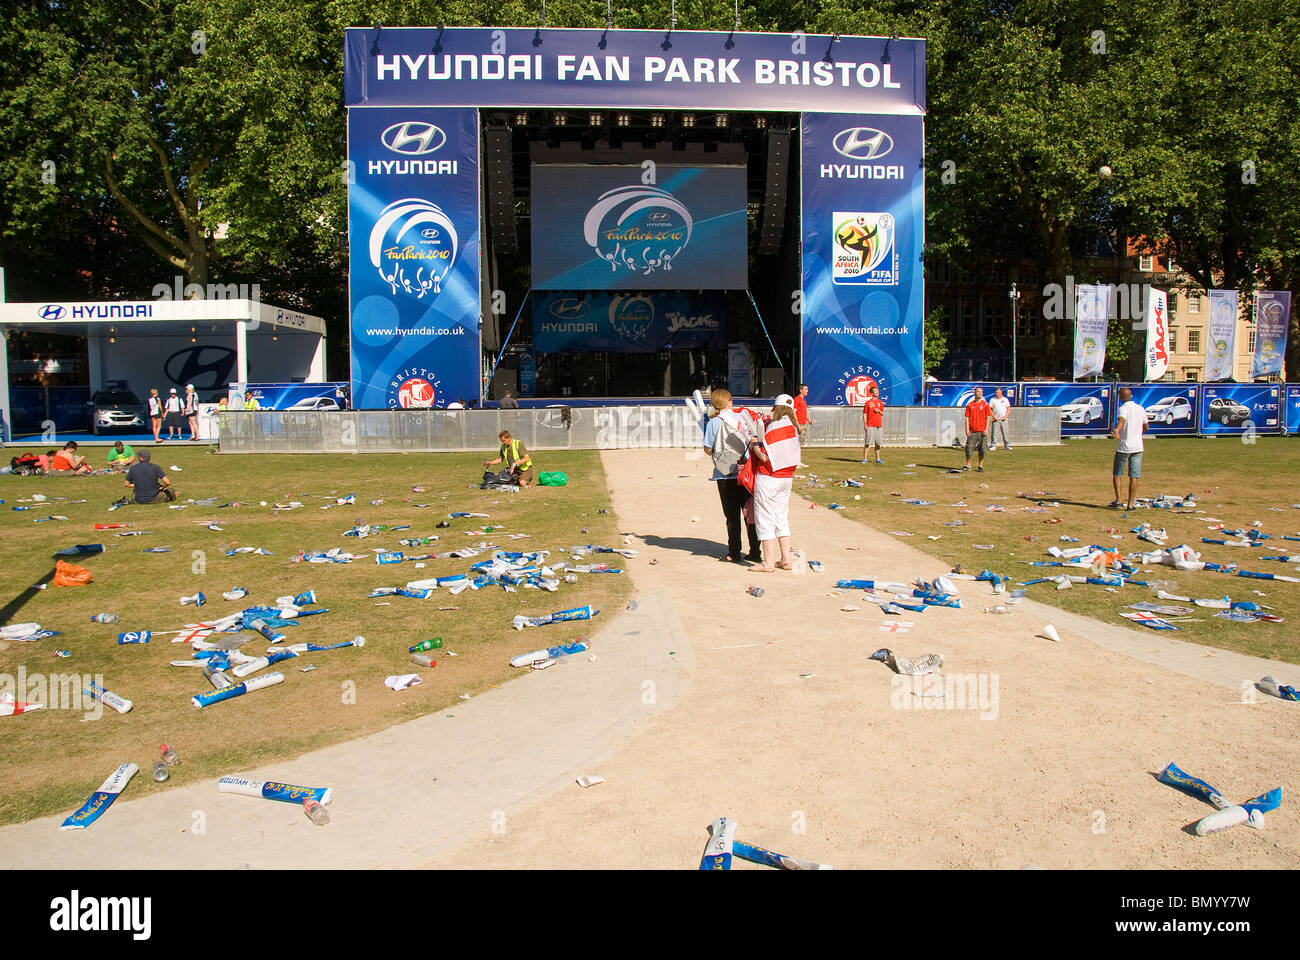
x: 27, y: 465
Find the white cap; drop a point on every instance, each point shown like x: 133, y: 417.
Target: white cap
x: 785, y: 400
x: 189, y: 386
x: 173, y: 389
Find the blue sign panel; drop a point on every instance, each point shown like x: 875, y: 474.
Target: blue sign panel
x: 863, y: 228
x: 1237, y: 408
x: 527, y: 372
x: 1087, y: 409
x: 602, y: 227
x: 629, y: 323
x: 414, y: 270
x: 1293, y: 408
x: 691, y: 70
x: 292, y: 396
x: 1171, y: 407
x: 958, y: 394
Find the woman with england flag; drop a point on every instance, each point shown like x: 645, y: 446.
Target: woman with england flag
x: 776, y: 454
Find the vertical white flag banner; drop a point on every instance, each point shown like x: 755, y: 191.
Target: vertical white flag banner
x: 1091, y: 317
x: 1221, y: 335
x: 1272, y: 317
x: 1157, y: 321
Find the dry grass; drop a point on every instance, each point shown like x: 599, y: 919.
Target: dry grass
x: 54, y: 758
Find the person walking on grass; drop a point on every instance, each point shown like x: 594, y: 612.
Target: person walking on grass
x: 873, y: 423
x: 977, y: 422
x: 1127, y: 435
x: 776, y: 454
x: 726, y: 440
x: 1001, y: 408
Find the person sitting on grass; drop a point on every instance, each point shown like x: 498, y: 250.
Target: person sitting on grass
x: 68, y: 460
x: 515, y: 457
x: 121, y: 456
x: 148, y: 482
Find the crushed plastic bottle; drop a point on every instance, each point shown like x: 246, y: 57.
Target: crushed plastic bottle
x: 755, y: 591
x: 424, y: 659
x: 105, y: 618
x: 160, y: 771
x: 998, y: 609
x: 170, y: 757
x: 316, y: 813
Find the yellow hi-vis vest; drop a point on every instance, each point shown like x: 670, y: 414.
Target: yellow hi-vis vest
x: 513, y: 460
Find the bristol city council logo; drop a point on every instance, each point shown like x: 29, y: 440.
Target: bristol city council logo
x: 413, y: 246
x: 638, y: 229
x: 855, y: 384
x: 413, y: 389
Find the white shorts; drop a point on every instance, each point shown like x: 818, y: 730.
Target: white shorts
x: 772, y: 506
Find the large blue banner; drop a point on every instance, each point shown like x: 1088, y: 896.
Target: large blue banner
x: 413, y: 210
x: 1087, y: 409
x: 960, y: 393
x: 628, y: 323
x: 1241, y: 407
x: 863, y: 190
x: 1171, y: 407
x: 629, y: 227
x: 1293, y: 408
x: 1272, y: 317
x: 691, y: 70
x: 290, y: 396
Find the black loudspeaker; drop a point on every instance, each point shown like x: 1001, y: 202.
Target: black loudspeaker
x: 498, y: 168
x: 504, y: 380
x: 773, y: 382
x: 774, y: 195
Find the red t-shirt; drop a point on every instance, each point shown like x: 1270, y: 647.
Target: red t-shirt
x: 977, y: 415
x: 873, y: 412
x: 60, y: 461
x: 801, y: 410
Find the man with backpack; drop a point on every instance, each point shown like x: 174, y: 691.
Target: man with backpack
x: 726, y: 440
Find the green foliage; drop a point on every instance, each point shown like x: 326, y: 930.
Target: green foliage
x: 936, y: 341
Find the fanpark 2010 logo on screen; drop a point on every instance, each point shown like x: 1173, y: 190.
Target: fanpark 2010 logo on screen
x: 864, y: 249
x: 638, y: 229
x: 413, y: 246
x: 631, y: 317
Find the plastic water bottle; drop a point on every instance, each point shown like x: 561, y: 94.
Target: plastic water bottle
x: 424, y: 659
x: 160, y: 771
x: 434, y: 644
x: 998, y: 609
x: 170, y: 756
x: 316, y: 813
x: 105, y: 618
x: 755, y: 591
x: 570, y: 578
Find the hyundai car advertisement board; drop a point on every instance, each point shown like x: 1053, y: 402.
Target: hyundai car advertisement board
x: 1171, y: 407
x: 1237, y: 408
x: 1293, y: 408
x: 290, y: 396
x: 1087, y: 409
x: 960, y: 393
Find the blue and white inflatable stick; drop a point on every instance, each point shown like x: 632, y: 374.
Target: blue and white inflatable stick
x: 274, y: 790
x: 238, y: 690
x: 561, y: 616
x: 101, y: 799
x: 718, y: 851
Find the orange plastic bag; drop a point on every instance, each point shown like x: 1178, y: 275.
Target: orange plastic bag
x: 70, y: 575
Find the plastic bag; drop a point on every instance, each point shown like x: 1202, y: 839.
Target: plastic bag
x: 70, y: 575
x: 552, y: 478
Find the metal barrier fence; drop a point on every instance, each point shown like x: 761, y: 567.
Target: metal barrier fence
x: 580, y: 428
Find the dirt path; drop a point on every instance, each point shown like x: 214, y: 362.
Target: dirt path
x: 1050, y: 762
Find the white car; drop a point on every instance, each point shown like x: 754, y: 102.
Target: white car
x: 1170, y: 409
x: 315, y: 403
x: 1083, y: 411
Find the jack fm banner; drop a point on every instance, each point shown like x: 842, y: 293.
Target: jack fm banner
x: 1272, y: 316
x: 1221, y: 335
x: 1157, y: 322
x: 1091, y: 318
x: 413, y: 277
x: 863, y: 211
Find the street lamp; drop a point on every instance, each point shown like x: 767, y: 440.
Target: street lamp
x: 1014, y: 295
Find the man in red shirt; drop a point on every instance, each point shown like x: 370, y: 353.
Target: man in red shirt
x: 873, y: 421
x: 801, y: 412
x: 977, y: 421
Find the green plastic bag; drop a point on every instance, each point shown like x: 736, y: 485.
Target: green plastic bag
x: 552, y: 478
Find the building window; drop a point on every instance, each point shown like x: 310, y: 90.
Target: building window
x: 1146, y: 263
x: 995, y: 319
x: 1173, y: 300
x: 1191, y: 375
x: 1193, y: 303
x: 968, y: 320
x: 1169, y: 375
x: 1193, y: 341
x: 1251, y: 348
x: 1173, y: 339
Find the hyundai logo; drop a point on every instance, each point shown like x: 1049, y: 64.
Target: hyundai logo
x: 863, y: 143
x: 413, y: 138
x: 429, y: 233
x: 207, y: 367
x: 51, y: 311
x: 570, y: 309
